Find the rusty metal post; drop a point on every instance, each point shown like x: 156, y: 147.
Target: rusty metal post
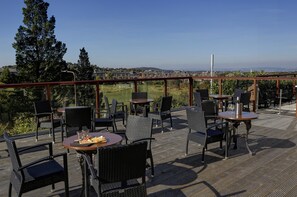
x: 48, y: 92
x: 295, y: 93
x: 165, y: 87
x: 135, y: 86
x: 255, y: 95
x: 97, y: 100
x: 190, y: 91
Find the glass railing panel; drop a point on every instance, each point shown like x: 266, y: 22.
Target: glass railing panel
x: 121, y: 92
x: 179, y: 90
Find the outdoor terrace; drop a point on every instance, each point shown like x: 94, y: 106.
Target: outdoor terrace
x: 270, y: 172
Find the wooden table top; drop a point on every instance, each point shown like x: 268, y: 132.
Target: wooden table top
x: 219, y: 96
x: 62, y: 109
x: 111, y: 138
x: 230, y: 115
x: 141, y: 101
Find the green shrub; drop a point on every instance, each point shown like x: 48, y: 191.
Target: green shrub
x: 3, y: 128
x: 23, y: 123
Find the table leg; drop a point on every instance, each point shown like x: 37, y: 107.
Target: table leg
x: 85, y: 176
x: 234, y: 136
x: 248, y: 127
x: 227, y: 142
x: 86, y: 179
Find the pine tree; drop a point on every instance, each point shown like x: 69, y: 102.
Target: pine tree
x: 39, y: 56
x: 85, y: 72
x: 84, y: 68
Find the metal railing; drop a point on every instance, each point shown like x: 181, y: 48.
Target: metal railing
x: 48, y: 86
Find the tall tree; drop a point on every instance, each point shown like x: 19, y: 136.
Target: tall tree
x: 84, y: 68
x: 85, y: 71
x: 39, y: 56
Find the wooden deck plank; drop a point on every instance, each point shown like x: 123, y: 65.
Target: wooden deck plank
x: 271, y: 172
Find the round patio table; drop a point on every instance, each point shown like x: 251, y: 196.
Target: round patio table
x: 141, y: 102
x: 89, y: 149
x: 219, y: 99
x: 235, y: 120
x: 111, y: 138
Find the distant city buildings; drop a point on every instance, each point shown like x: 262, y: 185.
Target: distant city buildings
x: 130, y: 73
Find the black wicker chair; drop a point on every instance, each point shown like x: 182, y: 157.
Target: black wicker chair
x: 203, y: 93
x: 210, y: 109
x: 140, y: 129
x: 45, y: 118
x: 237, y: 93
x: 115, y: 111
x: 197, y: 100
x: 164, y: 112
x: 76, y: 118
x: 117, y: 170
x: 245, y: 100
x: 201, y: 134
x: 100, y: 120
x: 36, y: 174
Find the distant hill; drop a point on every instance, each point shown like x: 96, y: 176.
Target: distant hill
x: 148, y: 68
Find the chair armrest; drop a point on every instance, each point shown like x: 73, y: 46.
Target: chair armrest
x: 90, y: 165
x: 217, y: 124
x: 44, y: 114
x: 211, y: 116
x: 58, y: 155
x: 124, y: 107
x: 20, y: 150
x: 99, y: 113
x: 42, y: 160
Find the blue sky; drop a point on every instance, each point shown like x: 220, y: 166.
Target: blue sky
x: 170, y: 34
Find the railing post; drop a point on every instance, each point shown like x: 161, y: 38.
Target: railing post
x: 97, y: 99
x: 255, y: 95
x: 296, y: 100
x: 294, y: 84
x: 190, y: 91
x: 48, y: 92
x: 277, y: 87
x: 220, y: 86
x: 135, y: 86
x: 165, y: 87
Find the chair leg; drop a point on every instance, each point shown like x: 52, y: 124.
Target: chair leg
x: 53, y: 135
x: 171, y: 122
x: 113, y: 130
x: 124, y: 121
x: 156, y: 121
x: 162, y: 126
x: 115, y: 125
x: 9, y: 190
x: 36, y: 134
x: 187, y: 147
x: 62, y: 134
x: 53, y: 188
x: 152, y: 163
x: 203, y: 153
x: 66, y: 188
